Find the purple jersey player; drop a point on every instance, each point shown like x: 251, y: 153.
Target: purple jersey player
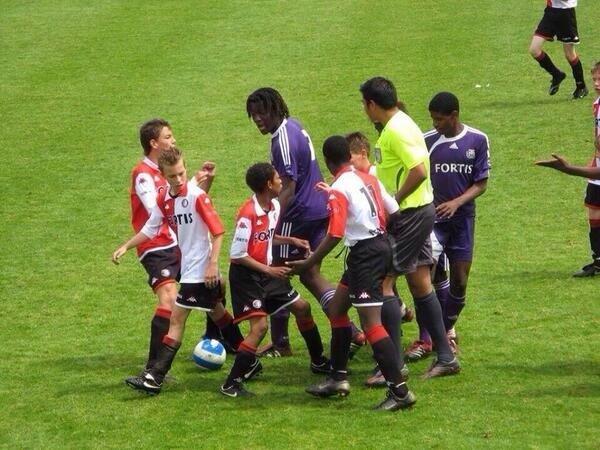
x: 459, y: 161
x: 303, y: 210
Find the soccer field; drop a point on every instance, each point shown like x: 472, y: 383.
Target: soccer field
x: 77, y: 80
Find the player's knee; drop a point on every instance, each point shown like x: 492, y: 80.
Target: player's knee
x: 259, y: 328
x: 300, y: 308
x: 166, y: 293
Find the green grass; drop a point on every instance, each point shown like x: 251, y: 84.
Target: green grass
x: 78, y: 78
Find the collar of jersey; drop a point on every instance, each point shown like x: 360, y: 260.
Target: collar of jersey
x: 182, y: 192
x: 442, y: 139
x: 276, y: 132
x: 258, y: 209
x: 343, y: 170
x: 150, y: 163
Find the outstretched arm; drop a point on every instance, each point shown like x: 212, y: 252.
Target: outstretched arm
x: 562, y: 165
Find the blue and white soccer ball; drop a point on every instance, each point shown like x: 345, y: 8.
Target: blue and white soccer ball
x: 209, y: 354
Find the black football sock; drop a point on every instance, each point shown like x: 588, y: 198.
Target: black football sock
x: 577, y: 69
x: 243, y: 361
x: 341, y: 336
x: 159, y: 327
x: 546, y: 63
x: 310, y: 333
x: 595, y: 238
x: 212, y: 330
x: 431, y: 314
x: 453, y: 308
x: 391, y: 318
x: 230, y: 331
x: 279, y: 329
x: 423, y: 333
x: 387, y: 359
x: 164, y: 359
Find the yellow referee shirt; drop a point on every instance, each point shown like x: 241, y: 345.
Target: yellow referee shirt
x: 400, y: 148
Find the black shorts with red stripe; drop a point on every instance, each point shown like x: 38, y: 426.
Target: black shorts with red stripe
x: 592, y: 196
x: 162, y: 266
x: 561, y: 23
x: 367, y: 264
x: 254, y: 294
x: 199, y: 296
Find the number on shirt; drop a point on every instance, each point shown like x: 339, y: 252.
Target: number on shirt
x: 310, y: 144
x: 368, y: 193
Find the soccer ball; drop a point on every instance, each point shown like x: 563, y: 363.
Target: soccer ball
x: 209, y: 354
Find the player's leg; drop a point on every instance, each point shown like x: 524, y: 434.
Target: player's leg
x: 592, y: 203
x: 545, y: 32
x: 229, y: 330
x: 459, y: 277
x: 310, y: 333
x: 568, y: 34
x: 577, y: 69
x: 245, y: 358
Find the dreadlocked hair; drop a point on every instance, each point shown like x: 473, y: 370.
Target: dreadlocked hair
x: 267, y: 101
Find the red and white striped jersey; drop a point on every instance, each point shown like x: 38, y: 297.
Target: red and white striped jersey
x: 192, y: 215
x: 146, y: 184
x: 358, y: 204
x: 596, y: 160
x: 254, y: 231
x: 562, y: 4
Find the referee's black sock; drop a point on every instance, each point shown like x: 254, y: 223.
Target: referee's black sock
x: 546, y: 63
x: 577, y: 69
x: 159, y: 327
x: 429, y: 307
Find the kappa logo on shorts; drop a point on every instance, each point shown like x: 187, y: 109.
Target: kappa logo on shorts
x: 165, y: 273
x: 470, y: 153
x: 364, y: 295
x: 245, y: 308
x: 291, y: 293
x: 192, y: 300
x: 256, y: 304
x: 154, y: 280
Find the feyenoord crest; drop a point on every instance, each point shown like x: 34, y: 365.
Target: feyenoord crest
x: 165, y: 272
x: 471, y: 153
x: 377, y: 153
x: 256, y: 304
x: 185, y: 203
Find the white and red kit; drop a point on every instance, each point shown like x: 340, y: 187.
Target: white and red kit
x: 192, y: 215
x: 596, y: 160
x: 561, y: 4
x: 147, y: 183
x: 254, y: 231
x: 358, y: 204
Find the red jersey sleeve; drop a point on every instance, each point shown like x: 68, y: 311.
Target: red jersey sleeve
x: 206, y: 210
x: 337, y: 205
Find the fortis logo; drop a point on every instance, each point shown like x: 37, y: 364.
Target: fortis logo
x: 264, y: 235
x: 180, y: 219
x: 453, y: 168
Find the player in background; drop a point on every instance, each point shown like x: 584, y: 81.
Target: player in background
x: 391, y: 315
x: 403, y: 167
x: 560, y: 21
x: 358, y: 205
x: 592, y: 198
x: 258, y: 288
x: 303, y: 211
x: 160, y: 255
x: 459, y: 161
x: 188, y: 209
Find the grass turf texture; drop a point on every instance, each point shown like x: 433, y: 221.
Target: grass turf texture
x: 77, y: 81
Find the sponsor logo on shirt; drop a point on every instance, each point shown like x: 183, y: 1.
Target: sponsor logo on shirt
x: 453, y: 168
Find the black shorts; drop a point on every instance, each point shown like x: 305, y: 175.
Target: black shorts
x: 367, y: 264
x: 561, y: 23
x: 592, y: 196
x: 254, y: 294
x: 409, y: 232
x: 162, y: 266
x: 313, y: 231
x: 198, y: 296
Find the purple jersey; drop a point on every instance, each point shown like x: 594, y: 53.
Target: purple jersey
x: 456, y: 164
x: 293, y: 156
